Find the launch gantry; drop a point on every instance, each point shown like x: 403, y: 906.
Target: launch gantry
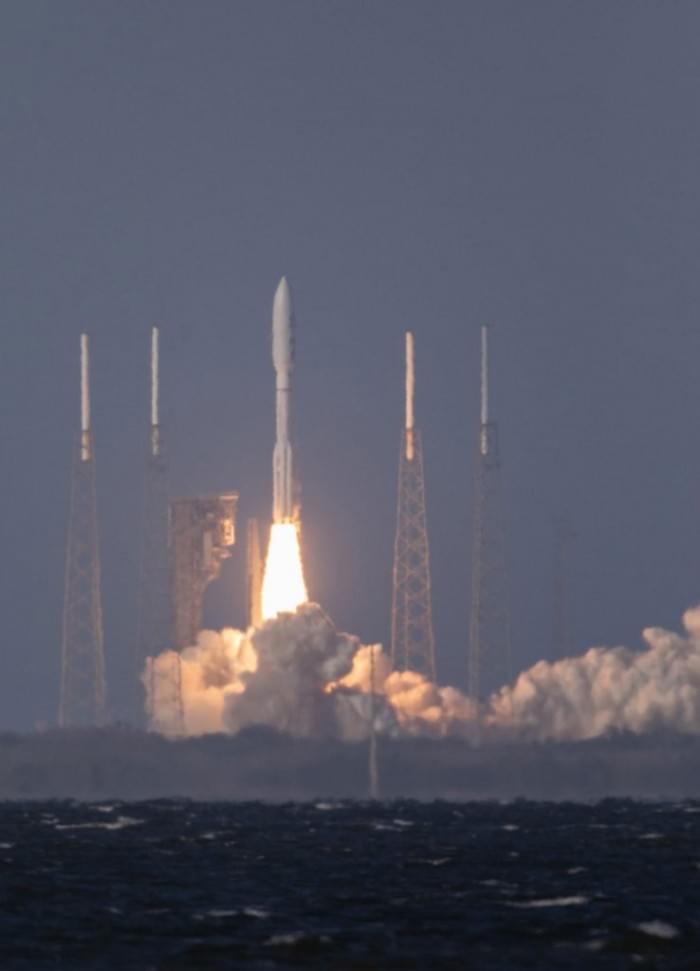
x: 202, y: 534
x: 82, y: 699
x: 412, y: 638
x: 254, y: 574
x: 489, y: 664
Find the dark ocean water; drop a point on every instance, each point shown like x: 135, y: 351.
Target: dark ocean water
x: 174, y: 885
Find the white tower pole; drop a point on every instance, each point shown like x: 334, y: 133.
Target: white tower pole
x: 155, y: 420
x: 484, y: 390
x: 410, y: 393
x: 85, y: 446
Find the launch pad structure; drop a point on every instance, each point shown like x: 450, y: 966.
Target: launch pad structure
x: 254, y: 574
x: 155, y: 612
x: 184, y: 543
x: 82, y: 698
x: 202, y: 533
x: 489, y: 664
x: 412, y: 638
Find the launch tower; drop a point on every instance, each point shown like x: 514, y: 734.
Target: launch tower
x: 200, y: 535
x: 155, y: 617
x: 412, y: 639
x: 489, y: 637
x: 202, y: 532
x: 82, y: 699
x: 254, y: 574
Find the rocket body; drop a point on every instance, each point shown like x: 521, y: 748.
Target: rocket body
x: 283, y: 360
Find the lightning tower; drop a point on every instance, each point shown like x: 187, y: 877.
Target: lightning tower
x: 254, y: 574
x: 489, y: 636
x: 82, y: 701
x: 155, y: 617
x: 412, y: 639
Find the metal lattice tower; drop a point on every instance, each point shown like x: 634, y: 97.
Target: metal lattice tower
x: 82, y: 699
x: 489, y: 636
x: 412, y: 639
x: 202, y: 535
x: 254, y: 574
x: 155, y: 633
x: 166, y: 713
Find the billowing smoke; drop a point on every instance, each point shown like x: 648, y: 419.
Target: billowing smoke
x: 609, y: 689
x: 299, y: 675
x: 419, y: 706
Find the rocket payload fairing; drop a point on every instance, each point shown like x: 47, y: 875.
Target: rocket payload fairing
x: 283, y: 359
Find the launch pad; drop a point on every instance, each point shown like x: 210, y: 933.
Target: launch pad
x: 202, y: 536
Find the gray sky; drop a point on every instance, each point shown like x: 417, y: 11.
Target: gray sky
x: 407, y: 164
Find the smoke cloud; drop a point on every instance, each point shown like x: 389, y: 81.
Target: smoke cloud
x: 608, y: 689
x: 299, y: 675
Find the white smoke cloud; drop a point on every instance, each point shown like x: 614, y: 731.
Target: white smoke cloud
x: 608, y: 689
x: 298, y: 674
x: 210, y: 671
x: 420, y: 707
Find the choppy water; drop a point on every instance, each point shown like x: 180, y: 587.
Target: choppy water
x: 175, y: 885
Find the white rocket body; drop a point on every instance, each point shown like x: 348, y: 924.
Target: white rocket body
x: 283, y: 360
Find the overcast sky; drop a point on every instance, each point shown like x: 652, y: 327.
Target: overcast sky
x: 432, y: 165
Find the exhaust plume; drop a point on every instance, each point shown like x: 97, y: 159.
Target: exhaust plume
x: 283, y: 588
x: 298, y: 674
x: 608, y: 689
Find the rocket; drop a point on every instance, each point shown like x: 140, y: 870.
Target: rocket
x: 283, y: 360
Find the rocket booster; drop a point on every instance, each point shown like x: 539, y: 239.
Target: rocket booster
x: 283, y: 360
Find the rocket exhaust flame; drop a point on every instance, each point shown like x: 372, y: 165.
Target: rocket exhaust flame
x: 283, y: 587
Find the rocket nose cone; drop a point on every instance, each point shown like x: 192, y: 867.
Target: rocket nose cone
x: 282, y: 304
x: 282, y: 327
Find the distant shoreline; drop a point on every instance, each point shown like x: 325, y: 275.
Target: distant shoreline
x: 260, y: 764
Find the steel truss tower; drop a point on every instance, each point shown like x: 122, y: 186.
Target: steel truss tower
x: 489, y: 636
x: 155, y: 617
x: 82, y: 699
x: 202, y: 535
x: 412, y: 639
x: 254, y: 574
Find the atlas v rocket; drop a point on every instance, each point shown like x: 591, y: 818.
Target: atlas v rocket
x: 283, y: 359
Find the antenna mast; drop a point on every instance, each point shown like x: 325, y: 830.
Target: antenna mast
x: 254, y: 574
x: 412, y: 639
x: 155, y: 633
x: 489, y: 635
x: 82, y: 699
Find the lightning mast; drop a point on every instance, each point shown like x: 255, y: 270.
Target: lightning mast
x: 489, y: 636
x: 82, y: 699
x: 412, y: 639
x: 372, y: 763
x: 254, y: 574
x: 155, y: 633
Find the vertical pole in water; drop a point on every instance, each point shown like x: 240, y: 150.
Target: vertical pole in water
x: 373, y: 767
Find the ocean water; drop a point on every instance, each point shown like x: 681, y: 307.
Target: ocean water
x: 205, y: 886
